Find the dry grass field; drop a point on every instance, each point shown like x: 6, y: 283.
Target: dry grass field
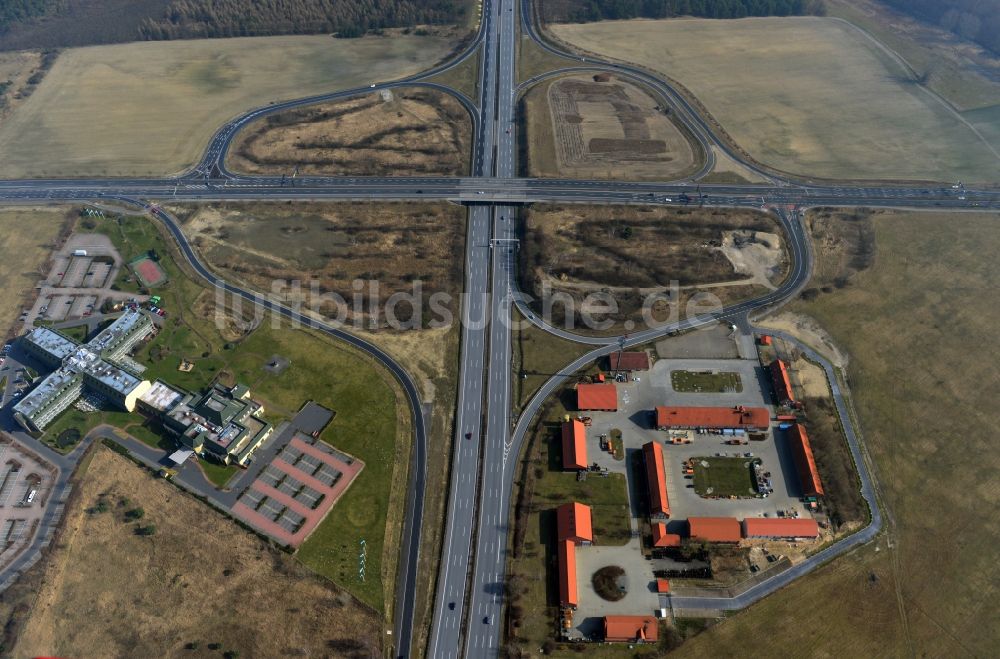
x: 811, y: 96
x: 25, y: 254
x: 335, y: 246
x: 150, y: 108
x: 199, y: 579
x: 920, y: 329
x: 631, y: 251
x: 598, y: 126
x: 407, y: 132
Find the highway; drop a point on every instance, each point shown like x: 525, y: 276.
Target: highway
x: 469, y: 591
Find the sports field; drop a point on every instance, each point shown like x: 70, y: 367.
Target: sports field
x: 148, y: 271
x: 810, y: 96
x: 149, y: 108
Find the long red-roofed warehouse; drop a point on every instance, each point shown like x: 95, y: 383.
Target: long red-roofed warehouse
x: 747, y: 418
x: 805, y: 463
x: 629, y: 361
x: 782, y: 384
x: 784, y: 527
x: 574, y: 445
x: 597, y: 397
x: 656, y: 480
x: 631, y: 629
x: 715, y: 529
x: 573, y: 522
x: 567, y: 574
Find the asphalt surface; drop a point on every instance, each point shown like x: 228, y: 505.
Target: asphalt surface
x: 469, y: 602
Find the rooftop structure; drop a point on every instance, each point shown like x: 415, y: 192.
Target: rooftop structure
x: 782, y: 385
x: 573, y: 522
x: 93, y: 365
x: 656, y: 480
x: 568, y: 596
x: 222, y: 421
x: 782, y: 527
x: 161, y: 398
x: 805, y: 463
x: 713, y: 418
x: 574, y: 445
x: 662, y: 539
x: 631, y: 629
x: 715, y: 529
x: 629, y: 361
x: 600, y: 397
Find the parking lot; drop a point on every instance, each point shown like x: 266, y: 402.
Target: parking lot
x: 637, y: 398
x: 25, y: 481
x: 634, y: 419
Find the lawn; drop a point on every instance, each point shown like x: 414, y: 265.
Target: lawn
x: 811, y: 96
x: 370, y: 423
x: 96, y: 113
x: 920, y: 332
x: 24, y: 254
x: 541, y: 487
x: 706, y: 382
x: 216, y: 473
x: 723, y: 477
x: 537, y: 356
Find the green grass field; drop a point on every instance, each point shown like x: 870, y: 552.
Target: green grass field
x: 723, y: 477
x: 98, y: 111
x: 811, y: 96
x: 707, y: 382
x: 923, y: 376
x: 370, y: 423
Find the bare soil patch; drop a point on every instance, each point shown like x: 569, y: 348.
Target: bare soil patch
x: 808, y: 95
x: 319, y: 254
x: 627, y: 253
x: 197, y: 579
x: 404, y: 132
x: 600, y: 126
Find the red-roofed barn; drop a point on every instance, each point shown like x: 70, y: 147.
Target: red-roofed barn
x: 574, y: 445
x: 631, y: 629
x: 715, y: 529
x: 683, y: 418
x: 597, y: 397
x: 805, y: 463
x: 656, y: 480
x: 629, y: 361
x: 573, y: 522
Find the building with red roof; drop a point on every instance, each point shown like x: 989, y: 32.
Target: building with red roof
x: 574, y: 522
x: 631, y: 629
x: 662, y: 586
x: 782, y: 384
x: 780, y: 527
x: 663, y: 539
x: 597, y: 397
x: 574, y: 445
x: 715, y: 529
x: 629, y: 361
x: 805, y: 463
x: 568, y: 596
x: 656, y: 480
x: 713, y: 418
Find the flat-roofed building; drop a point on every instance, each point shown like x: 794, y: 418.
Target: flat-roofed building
x: 92, y: 366
x: 224, y: 422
